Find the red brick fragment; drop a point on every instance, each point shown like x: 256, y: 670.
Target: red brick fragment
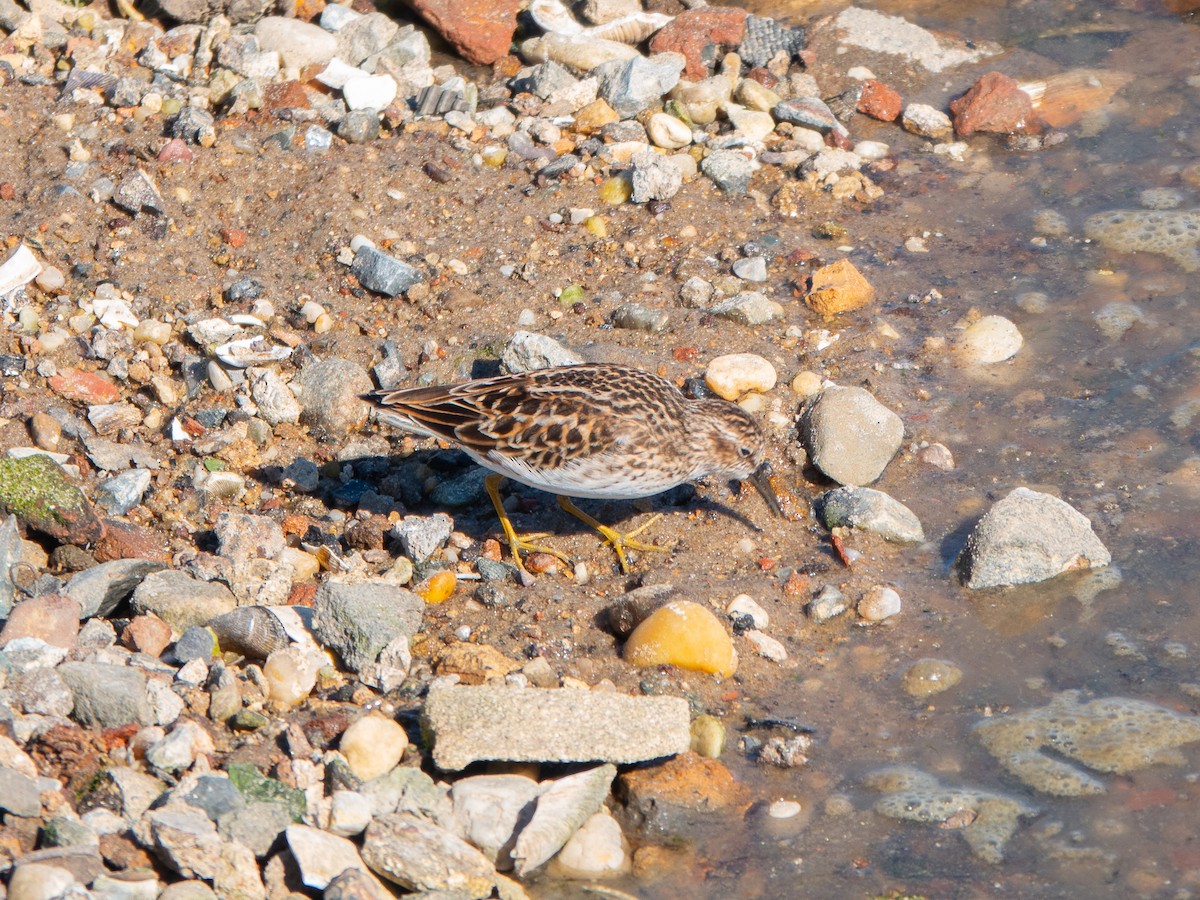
x: 480, y: 30
x: 996, y: 104
x: 693, y: 30
x: 879, y: 101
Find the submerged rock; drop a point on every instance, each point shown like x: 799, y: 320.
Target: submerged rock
x: 1173, y: 233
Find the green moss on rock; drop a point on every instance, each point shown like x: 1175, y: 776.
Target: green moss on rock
x: 39, y: 493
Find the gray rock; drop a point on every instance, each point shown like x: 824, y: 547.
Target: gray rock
x: 654, y: 177
x: 423, y: 536
x: 632, y: 85
x: 827, y: 605
x: 696, y: 293
x: 137, y: 192
x: 849, y: 435
x: 635, y: 317
x: 300, y: 475
x: 276, y: 403
x: 43, y: 692
x: 123, y: 492
x: 406, y: 58
x: 216, y: 795
x: 526, y: 351
x: 488, y: 810
x: 407, y: 790
x: 336, y: 16
x: 101, y: 589
x: 729, y: 170
x: 107, y: 696
x: 360, y: 620
x: 131, y: 790
x: 564, y: 805
x: 63, y: 831
x: 196, y: 642
x: 329, y: 395
x: 256, y: 825
x: 180, y: 600
x: 752, y: 268
x: 383, y: 274
x: 242, y: 537
x: 187, y: 841
x: 194, y: 125
x: 21, y: 795
x: 748, y: 308
x: 364, y: 36
x: 322, y: 857
x: 1029, y: 537
x: 465, y: 490
x: 360, y: 126
x: 553, y: 725
x: 189, y: 890
x: 544, y: 79
x: 10, y: 555
x: 317, y: 139
x: 298, y: 43
x: 420, y: 856
x: 870, y: 510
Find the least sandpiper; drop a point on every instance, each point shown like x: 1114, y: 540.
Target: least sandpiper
x: 599, y: 431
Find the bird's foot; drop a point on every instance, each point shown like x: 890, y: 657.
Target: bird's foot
x: 620, y: 541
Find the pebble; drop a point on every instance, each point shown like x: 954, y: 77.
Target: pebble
x: 373, y: 746
x: 928, y: 676
x: 369, y: 92
x: 635, y: 317
x: 708, y: 736
x: 745, y: 605
x: 925, y: 121
x: 384, y: 274
x: 349, y: 813
x: 991, y: 340
x: 767, y: 646
x: 828, y: 604
x: 735, y: 374
x: 631, y: 85
x: 123, y: 492
x: 290, y: 674
x: 748, y: 308
x: 753, y: 268
x: 654, y: 177
x: 849, y: 435
x: 596, y: 850
x: 729, y: 170
x: 329, y: 395
x: 683, y: 634
x: 668, y: 132
x: 879, y: 603
x: 870, y: 510
x: 45, y: 430
x: 299, y: 44
x: 838, y: 288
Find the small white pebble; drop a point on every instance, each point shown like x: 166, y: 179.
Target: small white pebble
x: 311, y: 311
x: 463, y: 632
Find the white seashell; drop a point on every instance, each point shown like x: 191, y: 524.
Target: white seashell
x: 247, y: 320
x: 253, y: 351
x: 575, y: 51
x: 629, y: 29
x: 114, y: 313
x: 178, y: 432
x: 18, y: 270
x: 553, y: 16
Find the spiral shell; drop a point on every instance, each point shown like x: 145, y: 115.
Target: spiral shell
x: 258, y: 631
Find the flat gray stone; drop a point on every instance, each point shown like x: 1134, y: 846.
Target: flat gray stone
x: 469, y: 724
x: 748, y: 308
x: 419, y: 856
x: 100, y: 589
x: 329, y: 395
x: 870, y: 510
x: 632, y: 85
x: 20, y: 795
x: 1029, y: 537
x: 527, y: 350
x: 360, y: 620
x: 107, y: 696
x: 181, y: 600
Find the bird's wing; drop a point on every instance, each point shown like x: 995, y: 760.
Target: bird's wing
x: 543, y: 421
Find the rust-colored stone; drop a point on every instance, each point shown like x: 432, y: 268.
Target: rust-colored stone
x: 681, y: 787
x: 7, y: 190
x: 72, y: 754
x: 86, y: 387
x: 175, y: 150
x: 837, y: 288
x: 995, y: 103
x: 234, y: 237
x: 879, y: 101
x: 125, y: 540
x: 121, y: 853
x: 481, y: 30
x: 147, y: 634
x: 286, y: 95
x: 53, y: 618
x: 693, y: 30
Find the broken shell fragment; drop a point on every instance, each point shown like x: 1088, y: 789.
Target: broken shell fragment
x: 253, y: 351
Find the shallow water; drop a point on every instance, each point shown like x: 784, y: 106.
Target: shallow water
x: 1098, y: 413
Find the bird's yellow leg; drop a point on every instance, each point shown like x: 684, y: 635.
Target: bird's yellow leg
x: 620, y: 542
x: 516, y: 543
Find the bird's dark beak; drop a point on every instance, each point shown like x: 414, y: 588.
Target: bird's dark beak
x: 761, y: 479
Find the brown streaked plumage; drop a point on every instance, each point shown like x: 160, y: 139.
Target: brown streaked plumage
x: 593, y: 430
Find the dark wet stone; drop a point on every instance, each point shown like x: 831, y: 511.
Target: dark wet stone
x: 384, y: 274
x: 359, y: 126
x: 216, y: 796
x: 244, y: 289
x: 465, y: 490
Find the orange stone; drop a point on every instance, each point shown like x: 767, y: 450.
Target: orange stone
x: 688, y: 783
x: 838, y: 288
x: 475, y: 663
x: 86, y: 387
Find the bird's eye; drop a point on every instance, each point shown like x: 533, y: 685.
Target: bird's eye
x: 745, y: 452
